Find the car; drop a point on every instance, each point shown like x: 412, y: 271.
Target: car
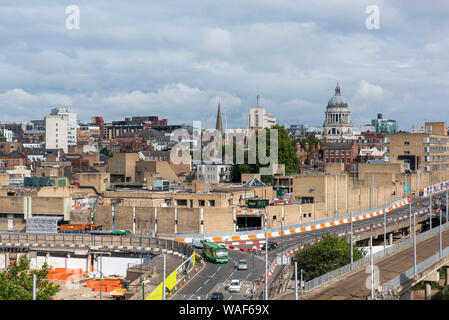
x: 242, y: 265
x: 234, y: 286
x: 216, y: 296
x: 271, y: 245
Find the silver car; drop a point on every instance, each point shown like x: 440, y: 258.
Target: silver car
x: 242, y: 265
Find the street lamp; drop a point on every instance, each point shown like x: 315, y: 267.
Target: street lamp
x: 141, y: 259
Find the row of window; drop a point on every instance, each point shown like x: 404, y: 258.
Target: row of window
x: 337, y: 152
x: 337, y: 160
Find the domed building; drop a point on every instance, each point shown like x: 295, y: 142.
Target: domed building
x: 337, y: 124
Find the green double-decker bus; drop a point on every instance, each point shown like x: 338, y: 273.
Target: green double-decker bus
x: 214, y: 252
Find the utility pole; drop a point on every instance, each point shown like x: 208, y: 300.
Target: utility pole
x: 101, y: 274
x: 385, y: 232
x: 266, y: 263
x: 371, y: 262
x: 446, y: 205
x: 253, y: 288
x: 34, y: 286
x: 414, y: 244
x: 430, y: 211
x: 296, y: 280
x: 441, y: 230
x: 300, y: 282
x: 163, y: 275
x: 410, y: 221
x: 352, y: 245
x: 141, y: 262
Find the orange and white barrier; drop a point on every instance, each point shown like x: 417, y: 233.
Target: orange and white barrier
x: 336, y: 222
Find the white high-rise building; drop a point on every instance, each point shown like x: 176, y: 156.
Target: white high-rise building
x: 260, y: 118
x: 60, y: 129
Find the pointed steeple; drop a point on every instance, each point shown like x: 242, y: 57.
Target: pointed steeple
x: 219, y: 124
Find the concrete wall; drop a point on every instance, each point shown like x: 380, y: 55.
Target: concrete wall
x: 100, y: 181
x: 218, y: 220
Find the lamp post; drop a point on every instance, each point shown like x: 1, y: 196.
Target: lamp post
x: 141, y: 260
x: 266, y: 263
x: 371, y: 262
x: 296, y: 280
x: 414, y: 245
x: 352, y: 245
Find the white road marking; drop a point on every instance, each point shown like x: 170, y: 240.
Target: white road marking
x: 199, y: 289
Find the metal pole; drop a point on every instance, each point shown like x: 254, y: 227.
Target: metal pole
x: 252, y: 254
x: 372, y: 192
x: 141, y: 262
x: 296, y: 280
x: 266, y: 264
x: 414, y: 244
x: 446, y: 205
x: 371, y: 262
x: 352, y: 245
x: 410, y: 222
x: 441, y: 234
x: 385, y: 232
x: 163, y: 275
x: 34, y: 286
x: 101, y: 274
x: 430, y: 212
x: 300, y: 282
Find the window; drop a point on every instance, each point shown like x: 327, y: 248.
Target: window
x: 406, y: 143
x: 337, y: 160
x: 348, y: 160
x: 181, y: 202
x: 406, y: 152
x: 211, y: 203
x: 310, y: 215
x: 274, y: 217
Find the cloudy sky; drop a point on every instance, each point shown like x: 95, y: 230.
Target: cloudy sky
x: 177, y: 58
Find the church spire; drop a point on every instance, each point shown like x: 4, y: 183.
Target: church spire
x: 219, y: 124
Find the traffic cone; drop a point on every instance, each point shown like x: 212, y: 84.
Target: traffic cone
x: 196, y: 269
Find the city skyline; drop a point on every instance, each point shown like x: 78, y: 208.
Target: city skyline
x: 157, y: 59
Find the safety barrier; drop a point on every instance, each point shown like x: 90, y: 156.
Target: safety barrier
x: 295, y: 229
x: 174, y: 279
x: 337, y: 273
x: 420, y: 267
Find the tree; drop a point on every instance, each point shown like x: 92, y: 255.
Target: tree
x: 16, y: 282
x: 286, y: 156
x: 106, y: 152
x: 328, y: 254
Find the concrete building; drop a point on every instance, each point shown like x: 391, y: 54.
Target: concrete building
x: 56, y: 132
x: 383, y: 125
x: 259, y: 118
x: 214, y: 173
x: 122, y: 167
x: 60, y: 129
x: 420, y: 151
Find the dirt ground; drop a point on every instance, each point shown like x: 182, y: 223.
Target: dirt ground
x: 79, y: 291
